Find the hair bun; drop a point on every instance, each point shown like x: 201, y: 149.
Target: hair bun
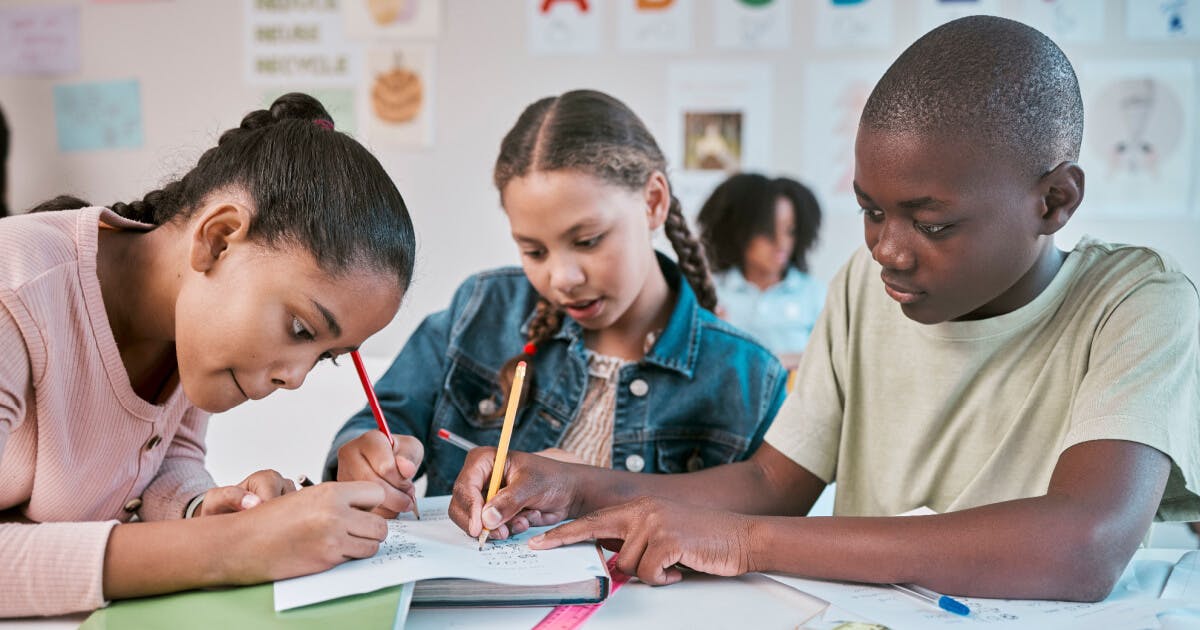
x: 299, y: 105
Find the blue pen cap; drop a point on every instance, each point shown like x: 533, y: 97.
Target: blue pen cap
x: 950, y: 604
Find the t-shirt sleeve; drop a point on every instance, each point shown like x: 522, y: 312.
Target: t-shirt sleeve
x: 1143, y: 384
x: 182, y: 475
x: 808, y: 427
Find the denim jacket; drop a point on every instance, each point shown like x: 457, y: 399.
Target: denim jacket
x: 704, y: 394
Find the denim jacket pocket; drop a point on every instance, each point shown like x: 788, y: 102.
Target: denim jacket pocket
x: 475, y: 399
x: 692, y: 449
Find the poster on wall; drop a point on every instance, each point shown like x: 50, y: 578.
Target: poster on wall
x: 1066, y: 21
x: 934, y: 13
x: 834, y: 96
x: 654, y: 25
x: 298, y: 43
x: 339, y: 102
x: 564, y: 27
x: 857, y: 24
x: 1162, y: 20
x: 719, y: 119
x: 1139, y: 140
x: 39, y: 40
x: 391, y: 19
x: 397, y: 96
x: 98, y: 115
x: 753, y: 24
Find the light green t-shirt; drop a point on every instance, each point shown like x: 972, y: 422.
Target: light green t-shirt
x: 961, y: 414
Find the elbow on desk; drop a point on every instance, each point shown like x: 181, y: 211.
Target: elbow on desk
x: 1091, y: 564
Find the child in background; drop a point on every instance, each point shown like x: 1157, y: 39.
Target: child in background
x: 628, y: 367
x: 120, y: 330
x: 1043, y: 402
x: 757, y: 233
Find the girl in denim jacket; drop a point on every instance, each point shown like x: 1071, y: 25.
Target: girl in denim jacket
x: 630, y: 369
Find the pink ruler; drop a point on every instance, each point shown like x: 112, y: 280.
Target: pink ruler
x: 571, y: 617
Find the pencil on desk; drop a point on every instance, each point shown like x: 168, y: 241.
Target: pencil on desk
x: 510, y: 416
x: 373, y: 402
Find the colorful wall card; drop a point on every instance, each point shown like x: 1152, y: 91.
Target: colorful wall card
x: 856, y: 24
x: 1066, y: 21
x: 564, y: 27
x: 39, y: 40
x: 290, y: 43
x: 101, y: 115
x: 392, y: 19
x: 753, y: 24
x: 1138, y: 143
x: 654, y: 25
x: 397, y: 96
x: 1162, y: 19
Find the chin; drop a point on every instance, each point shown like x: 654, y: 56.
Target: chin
x: 921, y: 315
x: 206, y: 401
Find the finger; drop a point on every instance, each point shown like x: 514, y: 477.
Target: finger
x: 500, y: 533
x: 363, y: 495
x: 657, y: 566
x: 630, y: 557
x: 289, y: 486
x: 382, y: 463
x: 265, y: 484
x: 466, y: 502
x: 606, y: 523
x: 366, y: 525
x: 228, y: 499
x: 395, y: 501
x: 409, y: 452
x: 356, y: 548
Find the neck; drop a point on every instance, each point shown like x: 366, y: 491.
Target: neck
x: 139, y: 281
x: 650, y: 312
x: 1029, y: 286
x: 762, y: 278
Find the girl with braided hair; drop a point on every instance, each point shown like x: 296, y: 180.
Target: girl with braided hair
x: 628, y: 366
x: 123, y: 327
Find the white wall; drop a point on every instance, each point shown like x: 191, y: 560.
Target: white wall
x: 188, y: 56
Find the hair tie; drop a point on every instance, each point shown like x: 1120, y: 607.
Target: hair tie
x: 324, y: 124
x: 530, y: 349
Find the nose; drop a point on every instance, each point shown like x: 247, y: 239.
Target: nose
x: 891, y: 248
x: 289, y: 375
x: 566, y: 275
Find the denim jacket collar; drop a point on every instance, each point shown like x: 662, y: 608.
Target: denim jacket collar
x: 677, y: 346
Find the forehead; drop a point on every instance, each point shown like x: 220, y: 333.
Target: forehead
x: 551, y: 202
x: 890, y: 166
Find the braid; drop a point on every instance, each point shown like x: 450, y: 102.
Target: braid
x: 691, y: 256
x: 545, y: 324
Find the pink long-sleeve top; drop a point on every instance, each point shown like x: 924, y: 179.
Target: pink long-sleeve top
x: 80, y: 452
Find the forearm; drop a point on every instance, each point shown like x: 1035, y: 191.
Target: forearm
x: 1037, y: 548
x: 161, y: 557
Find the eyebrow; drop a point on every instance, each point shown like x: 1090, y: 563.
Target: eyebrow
x: 586, y: 224
x: 330, y: 320
x: 919, y: 203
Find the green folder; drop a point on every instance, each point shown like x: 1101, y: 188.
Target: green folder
x: 250, y: 607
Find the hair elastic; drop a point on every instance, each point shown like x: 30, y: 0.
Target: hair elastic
x: 324, y: 124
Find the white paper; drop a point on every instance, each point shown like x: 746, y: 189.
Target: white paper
x: 753, y: 26
x: 1184, y: 582
x: 654, y: 25
x: 435, y: 547
x: 563, y: 27
x: 860, y: 25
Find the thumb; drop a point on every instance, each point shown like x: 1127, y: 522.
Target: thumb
x: 228, y: 499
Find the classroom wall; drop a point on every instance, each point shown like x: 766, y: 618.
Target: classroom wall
x: 188, y: 56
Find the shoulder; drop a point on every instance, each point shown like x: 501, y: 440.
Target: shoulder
x: 503, y: 285
x: 32, y: 244
x: 728, y: 342
x: 1114, y: 272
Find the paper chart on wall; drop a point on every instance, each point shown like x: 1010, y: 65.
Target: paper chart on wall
x: 435, y: 547
x: 655, y: 25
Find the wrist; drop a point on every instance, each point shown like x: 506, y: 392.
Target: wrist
x: 758, y: 532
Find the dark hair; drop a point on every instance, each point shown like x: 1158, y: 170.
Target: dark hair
x: 1001, y: 84
x: 310, y: 185
x: 594, y: 133
x: 743, y: 207
x: 3, y: 165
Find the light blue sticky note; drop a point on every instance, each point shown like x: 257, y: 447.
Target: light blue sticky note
x: 100, y: 115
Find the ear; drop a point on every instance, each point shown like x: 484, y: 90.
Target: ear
x: 213, y: 230
x: 1062, y: 192
x: 657, y: 193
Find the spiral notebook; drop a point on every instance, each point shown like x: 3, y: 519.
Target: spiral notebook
x: 448, y: 568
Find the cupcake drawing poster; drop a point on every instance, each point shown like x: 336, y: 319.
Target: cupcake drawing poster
x: 396, y: 98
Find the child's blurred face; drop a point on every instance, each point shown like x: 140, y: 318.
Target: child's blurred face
x: 258, y: 318
x: 585, y: 243
x: 954, y: 228
x: 770, y: 254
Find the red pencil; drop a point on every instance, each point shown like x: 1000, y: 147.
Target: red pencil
x: 373, y: 402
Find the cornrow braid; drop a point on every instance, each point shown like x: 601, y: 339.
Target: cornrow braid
x: 692, y: 261
x: 544, y: 325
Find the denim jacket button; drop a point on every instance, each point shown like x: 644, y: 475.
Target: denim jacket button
x: 635, y: 463
x: 487, y: 407
x: 638, y: 387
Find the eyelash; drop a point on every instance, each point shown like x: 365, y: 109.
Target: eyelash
x: 589, y: 243
x: 300, y: 331
x: 930, y: 229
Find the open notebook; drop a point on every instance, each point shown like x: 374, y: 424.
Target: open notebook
x: 450, y: 570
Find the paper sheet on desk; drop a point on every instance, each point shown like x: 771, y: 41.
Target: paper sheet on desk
x: 434, y: 547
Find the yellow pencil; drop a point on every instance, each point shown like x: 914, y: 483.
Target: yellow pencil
x: 510, y: 417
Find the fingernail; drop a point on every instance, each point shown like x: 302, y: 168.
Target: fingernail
x: 537, y: 540
x: 250, y: 500
x: 491, y: 518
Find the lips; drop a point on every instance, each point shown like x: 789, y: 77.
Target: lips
x: 582, y: 310
x: 902, y: 293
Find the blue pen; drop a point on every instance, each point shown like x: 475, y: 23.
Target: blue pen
x: 946, y: 603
